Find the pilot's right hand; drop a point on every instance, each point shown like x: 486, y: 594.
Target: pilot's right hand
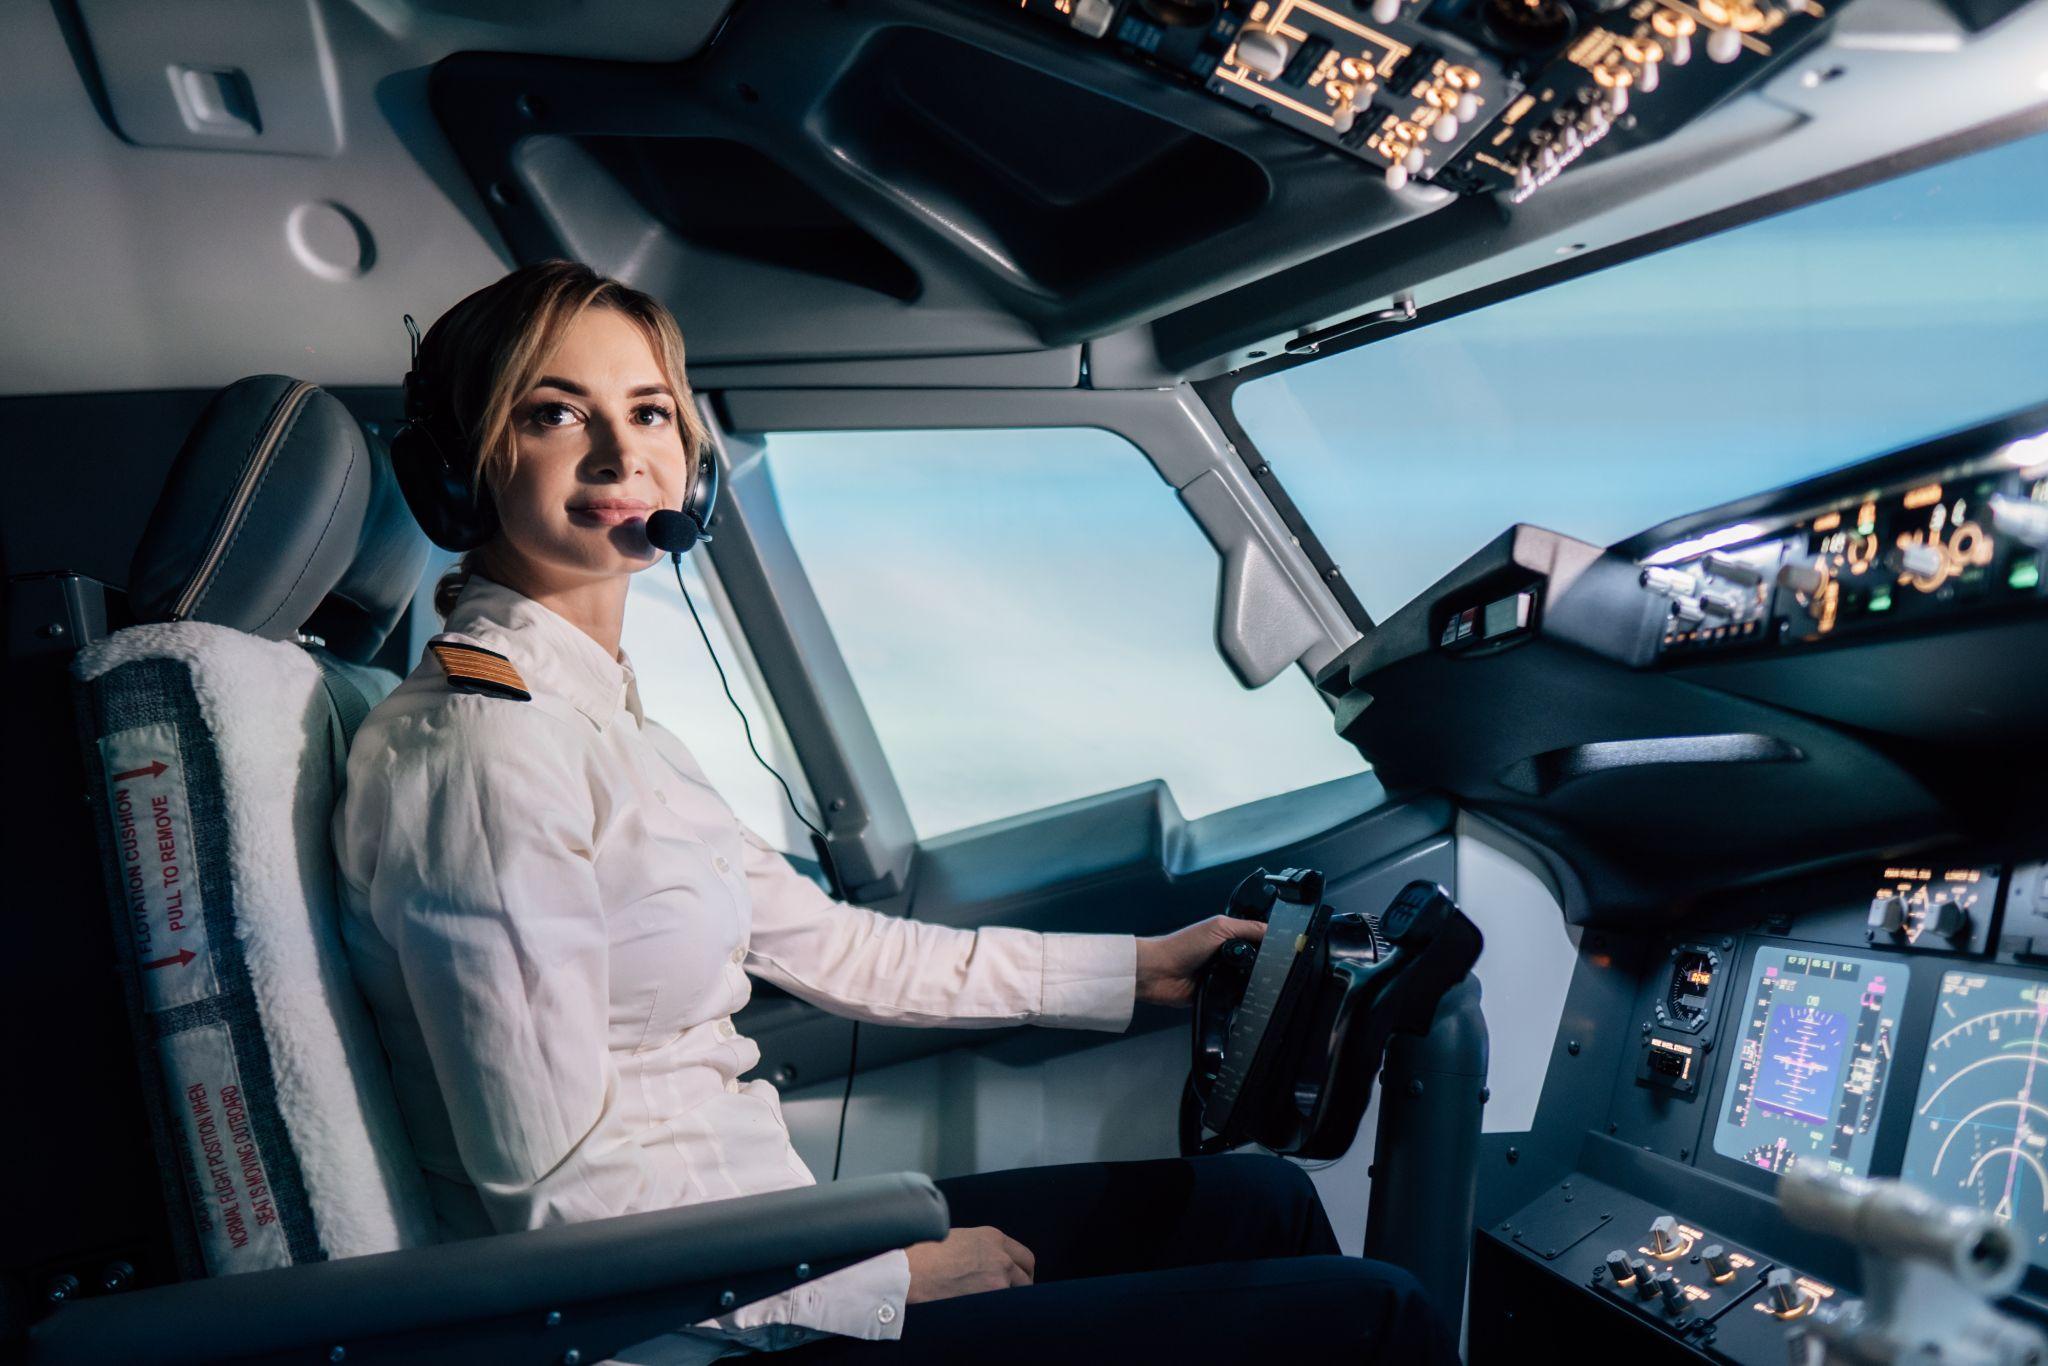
x: 966, y: 1262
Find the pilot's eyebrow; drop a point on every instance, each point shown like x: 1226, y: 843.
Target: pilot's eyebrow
x: 567, y: 386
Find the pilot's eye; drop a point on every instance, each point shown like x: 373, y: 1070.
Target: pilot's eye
x: 662, y: 413
x: 541, y: 413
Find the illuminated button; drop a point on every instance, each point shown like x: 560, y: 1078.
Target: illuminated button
x: 1262, y: 53
x: 1618, y: 1267
x: 887, y: 1313
x: 1718, y: 1265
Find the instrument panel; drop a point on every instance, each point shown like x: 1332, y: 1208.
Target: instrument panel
x: 1478, y: 96
x: 1930, y: 547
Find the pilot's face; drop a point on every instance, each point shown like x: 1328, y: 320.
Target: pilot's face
x: 598, y: 449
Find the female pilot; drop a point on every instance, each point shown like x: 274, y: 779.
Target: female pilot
x: 554, y: 916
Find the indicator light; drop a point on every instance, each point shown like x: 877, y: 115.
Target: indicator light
x: 1881, y: 600
x: 2026, y: 574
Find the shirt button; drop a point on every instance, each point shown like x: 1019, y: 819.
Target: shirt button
x: 739, y: 955
x: 725, y: 1029
x: 661, y: 796
x: 733, y: 1087
x: 719, y: 862
x: 887, y: 1313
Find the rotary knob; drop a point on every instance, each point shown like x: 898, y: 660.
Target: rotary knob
x: 1888, y: 915
x: 1620, y: 1268
x: 1665, y: 1238
x: 1719, y: 1267
x: 1673, y: 1292
x: 1646, y: 1281
x: 1950, y: 921
x: 1781, y: 1292
x: 1262, y: 53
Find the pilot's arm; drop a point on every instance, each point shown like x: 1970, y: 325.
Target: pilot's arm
x: 485, y: 889
x: 890, y: 970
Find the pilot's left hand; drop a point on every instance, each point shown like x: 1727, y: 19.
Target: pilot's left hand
x: 1169, y: 963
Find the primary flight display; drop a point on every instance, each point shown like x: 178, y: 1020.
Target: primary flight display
x: 1816, y: 1049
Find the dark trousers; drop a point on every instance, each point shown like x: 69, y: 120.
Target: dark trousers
x: 1184, y: 1260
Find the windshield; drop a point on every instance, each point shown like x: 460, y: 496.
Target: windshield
x: 1726, y: 366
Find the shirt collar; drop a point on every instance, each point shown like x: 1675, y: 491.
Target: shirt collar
x: 551, y: 652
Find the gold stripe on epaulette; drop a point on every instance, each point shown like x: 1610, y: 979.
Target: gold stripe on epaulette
x: 475, y: 669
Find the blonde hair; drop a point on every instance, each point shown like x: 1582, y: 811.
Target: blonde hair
x: 482, y: 355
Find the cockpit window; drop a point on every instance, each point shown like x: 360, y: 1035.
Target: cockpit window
x: 1030, y: 617
x: 1729, y: 365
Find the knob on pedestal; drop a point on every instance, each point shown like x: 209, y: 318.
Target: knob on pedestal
x: 1719, y: 1267
x: 1646, y: 1280
x: 1673, y: 1292
x: 1781, y: 1293
x: 1888, y: 915
x: 1665, y: 1237
x: 1620, y: 1268
x: 1950, y: 920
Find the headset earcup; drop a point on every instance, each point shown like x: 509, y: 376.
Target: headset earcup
x: 437, y: 491
x: 702, y: 500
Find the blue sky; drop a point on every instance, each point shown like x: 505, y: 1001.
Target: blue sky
x: 1731, y: 365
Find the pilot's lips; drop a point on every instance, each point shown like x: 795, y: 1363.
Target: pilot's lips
x: 610, y: 512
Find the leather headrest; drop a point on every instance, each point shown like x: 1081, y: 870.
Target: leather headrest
x: 390, y: 560
x: 273, y: 503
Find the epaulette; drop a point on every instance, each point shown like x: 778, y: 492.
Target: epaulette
x: 472, y: 668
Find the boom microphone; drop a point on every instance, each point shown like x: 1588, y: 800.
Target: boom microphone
x: 672, y: 531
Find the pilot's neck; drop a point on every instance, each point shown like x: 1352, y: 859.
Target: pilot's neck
x: 595, y: 605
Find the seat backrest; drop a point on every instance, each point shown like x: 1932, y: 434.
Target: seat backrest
x: 215, y: 736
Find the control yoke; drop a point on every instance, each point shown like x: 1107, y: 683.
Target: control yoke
x: 1290, y: 1033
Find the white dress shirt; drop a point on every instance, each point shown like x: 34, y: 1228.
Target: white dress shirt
x: 552, y: 915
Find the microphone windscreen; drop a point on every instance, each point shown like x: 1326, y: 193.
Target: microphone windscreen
x: 670, y: 530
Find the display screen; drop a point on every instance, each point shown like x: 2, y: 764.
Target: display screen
x: 1816, y: 1046
x: 1980, y: 1123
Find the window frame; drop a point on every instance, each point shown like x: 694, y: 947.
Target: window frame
x: 1219, y: 392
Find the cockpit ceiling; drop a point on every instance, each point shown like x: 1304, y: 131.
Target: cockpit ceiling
x: 904, y: 191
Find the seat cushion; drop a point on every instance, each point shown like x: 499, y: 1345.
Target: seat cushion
x: 215, y: 764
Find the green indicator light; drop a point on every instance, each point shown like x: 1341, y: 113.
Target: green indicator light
x: 1881, y: 600
x: 2026, y: 574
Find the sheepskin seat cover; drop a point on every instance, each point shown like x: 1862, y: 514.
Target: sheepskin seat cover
x: 216, y: 758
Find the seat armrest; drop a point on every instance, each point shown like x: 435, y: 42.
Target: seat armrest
x: 613, y: 1282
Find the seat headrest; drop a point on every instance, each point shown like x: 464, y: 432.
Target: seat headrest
x: 274, y: 503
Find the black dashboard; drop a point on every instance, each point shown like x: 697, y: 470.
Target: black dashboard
x: 1786, y: 765
x: 1890, y: 1021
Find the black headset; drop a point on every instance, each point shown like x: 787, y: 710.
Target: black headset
x: 432, y: 457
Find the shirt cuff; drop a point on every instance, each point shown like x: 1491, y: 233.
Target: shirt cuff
x: 864, y: 1300
x: 1090, y: 981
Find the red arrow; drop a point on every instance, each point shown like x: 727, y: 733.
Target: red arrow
x: 181, y: 957
x: 155, y: 769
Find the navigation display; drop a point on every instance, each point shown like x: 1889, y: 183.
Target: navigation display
x: 1980, y: 1123
x: 1815, y: 1049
